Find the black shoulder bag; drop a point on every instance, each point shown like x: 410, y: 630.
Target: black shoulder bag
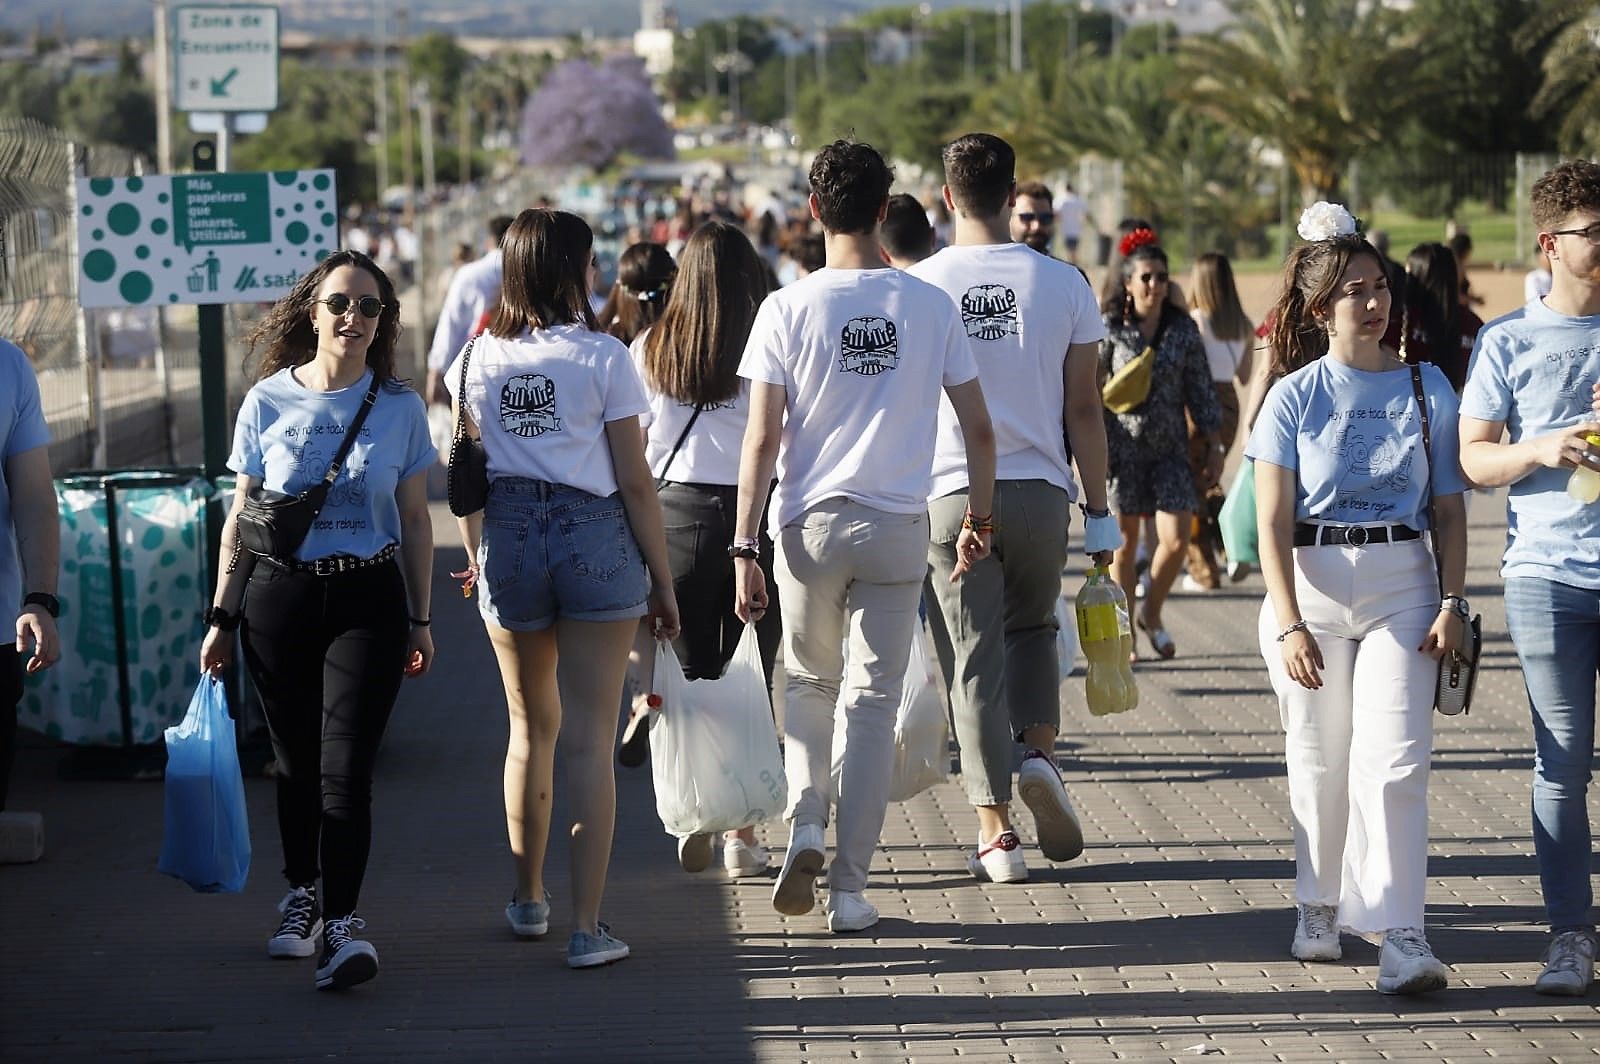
x: 1458, y: 671
x: 467, y: 480
x: 273, y: 524
x: 661, y: 481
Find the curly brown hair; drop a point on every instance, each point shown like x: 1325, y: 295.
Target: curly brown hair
x: 286, y: 337
x: 1310, y: 275
x: 1571, y: 186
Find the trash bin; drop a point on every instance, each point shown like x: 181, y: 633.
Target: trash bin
x: 130, y: 617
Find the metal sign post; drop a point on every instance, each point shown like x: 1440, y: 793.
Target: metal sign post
x: 213, y: 358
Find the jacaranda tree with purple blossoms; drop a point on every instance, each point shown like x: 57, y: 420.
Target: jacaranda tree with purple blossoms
x: 585, y: 114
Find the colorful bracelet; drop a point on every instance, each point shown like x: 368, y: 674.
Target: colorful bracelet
x: 973, y: 523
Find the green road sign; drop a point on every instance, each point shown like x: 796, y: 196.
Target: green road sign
x: 201, y: 238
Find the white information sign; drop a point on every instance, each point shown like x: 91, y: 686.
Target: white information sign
x: 201, y: 238
x: 225, y: 58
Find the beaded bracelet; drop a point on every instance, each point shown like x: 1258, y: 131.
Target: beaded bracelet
x: 973, y: 523
x: 1297, y: 626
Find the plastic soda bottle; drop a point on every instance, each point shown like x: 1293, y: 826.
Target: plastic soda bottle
x: 1100, y: 634
x: 1125, y: 655
x: 1584, y: 484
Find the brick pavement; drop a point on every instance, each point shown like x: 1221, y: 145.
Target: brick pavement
x: 1166, y: 940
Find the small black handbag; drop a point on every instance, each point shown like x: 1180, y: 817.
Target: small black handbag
x: 273, y: 524
x: 467, y: 480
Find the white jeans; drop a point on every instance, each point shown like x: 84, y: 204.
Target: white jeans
x: 846, y: 568
x: 1358, y: 749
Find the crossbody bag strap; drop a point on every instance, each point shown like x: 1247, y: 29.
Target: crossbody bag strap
x: 1427, y: 450
x: 343, y: 452
x: 461, y: 392
x: 662, y: 479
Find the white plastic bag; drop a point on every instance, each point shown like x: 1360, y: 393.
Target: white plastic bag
x: 1066, y: 638
x: 921, y: 731
x: 714, y: 751
x: 441, y: 430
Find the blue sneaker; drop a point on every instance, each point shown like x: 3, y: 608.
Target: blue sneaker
x: 591, y: 951
x: 529, y: 919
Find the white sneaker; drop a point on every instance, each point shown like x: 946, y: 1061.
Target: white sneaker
x: 849, y: 910
x: 795, y: 894
x: 1000, y: 861
x: 1238, y: 571
x: 743, y: 859
x: 1191, y: 586
x: 1040, y: 787
x: 1316, y: 934
x: 1407, y: 966
x: 1569, y: 966
x: 694, y: 852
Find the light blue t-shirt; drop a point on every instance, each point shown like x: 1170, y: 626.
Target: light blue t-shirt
x: 1354, y: 439
x: 1533, y: 369
x: 287, y: 435
x: 22, y: 428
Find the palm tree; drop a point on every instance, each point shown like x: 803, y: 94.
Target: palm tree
x: 1321, y: 80
x: 1567, y: 32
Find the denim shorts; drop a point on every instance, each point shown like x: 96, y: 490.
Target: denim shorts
x: 550, y: 551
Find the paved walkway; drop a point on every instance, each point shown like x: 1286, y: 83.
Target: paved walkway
x: 1167, y: 939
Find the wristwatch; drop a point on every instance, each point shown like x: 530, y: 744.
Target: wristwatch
x: 49, y: 602
x: 743, y: 550
x: 220, y: 619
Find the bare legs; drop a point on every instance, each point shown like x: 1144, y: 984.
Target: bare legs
x: 1172, y: 542
x: 591, y: 690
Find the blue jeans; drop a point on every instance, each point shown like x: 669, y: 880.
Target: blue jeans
x: 1556, y: 628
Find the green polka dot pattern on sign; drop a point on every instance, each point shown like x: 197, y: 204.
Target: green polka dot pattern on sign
x: 88, y: 210
x: 142, y: 251
x: 123, y: 219
x: 321, y: 182
x: 135, y: 184
x: 158, y: 226
x: 286, y: 177
x: 328, y: 219
x: 99, y: 265
x: 136, y: 287
x: 102, y: 186
x: 297, y: 233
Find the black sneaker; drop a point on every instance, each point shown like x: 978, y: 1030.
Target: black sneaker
x: 302, y: 923
x: 346, y: 960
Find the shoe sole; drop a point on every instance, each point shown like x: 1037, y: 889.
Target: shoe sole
x: 635, y: 748
x: 1561, y: 989
x: 845, y: 929
x: 1417, y: 984
x: 352, y: 971
x: 1060, y: 834
x: 295, y: 948
x: 529, y: 930
x: 1301, y: 953
x: 746, y: 871
x: 982, y: 874
x: 694, y: 854
x: 598, y: 960
x: 795, y: 894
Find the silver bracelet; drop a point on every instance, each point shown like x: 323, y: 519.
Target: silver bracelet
x: 1297, y: 626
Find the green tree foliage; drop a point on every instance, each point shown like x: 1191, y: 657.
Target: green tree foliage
x: 437, y: 60
x: 320, y: 122
x: 1565, y: 34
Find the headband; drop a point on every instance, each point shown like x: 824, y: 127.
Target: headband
x: 1136, y: 240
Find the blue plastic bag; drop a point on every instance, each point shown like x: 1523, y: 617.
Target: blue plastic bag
x: 207, y: 839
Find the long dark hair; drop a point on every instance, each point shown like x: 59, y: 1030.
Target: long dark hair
x: 545, y: 279
x: 285, y: 336
x: 1118, y: 301
x: 693, y: 353
x: 644, y: 281
x: 1433, y: 299
x: 1310, y: 275
x: 1217, y: 295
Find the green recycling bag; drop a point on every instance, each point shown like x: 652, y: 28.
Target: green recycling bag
x: 1238, y: 517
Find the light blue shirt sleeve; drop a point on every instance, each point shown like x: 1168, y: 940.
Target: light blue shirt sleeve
x: 1274, y: 438
x: 246, y: 459
x: 420, y: 451
x: 28, y: 428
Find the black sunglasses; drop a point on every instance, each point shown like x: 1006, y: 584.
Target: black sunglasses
x: 1042, y: 217
x: 339, y: 303
x: 1158, y: 278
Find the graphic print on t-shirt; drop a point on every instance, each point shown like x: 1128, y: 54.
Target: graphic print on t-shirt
x: 989, y: 312
x: 528, y: 406
x: 1382, y: 464
x: 313, y: 453
x: 869, y: 346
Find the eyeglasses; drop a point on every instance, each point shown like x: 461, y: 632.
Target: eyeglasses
x: 339, y: 303
x: 1042, y: 217
x: 1591, y: 233
x: 1156, y: 278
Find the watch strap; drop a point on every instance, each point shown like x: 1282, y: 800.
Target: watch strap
x: 49, y: 602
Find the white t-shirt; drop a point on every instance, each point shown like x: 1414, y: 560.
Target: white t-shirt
x: 1020, y: 311
x: 863, y: 356
x: 1069, y: 215
x: 1223, y: 355
x: 542, y: 402
x: 474, y: 289
x: 710, y: 453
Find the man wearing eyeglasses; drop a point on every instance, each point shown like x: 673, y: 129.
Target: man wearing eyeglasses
x: 1535, y: 378
x: 1033, y: 219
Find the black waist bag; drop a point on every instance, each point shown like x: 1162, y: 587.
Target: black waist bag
x: 273, y: 524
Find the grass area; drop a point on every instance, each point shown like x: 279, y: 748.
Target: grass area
x: 1494, y: 236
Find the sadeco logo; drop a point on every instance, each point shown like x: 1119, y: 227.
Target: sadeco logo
x: 250, y: 278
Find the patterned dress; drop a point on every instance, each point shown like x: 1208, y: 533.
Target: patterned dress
x: 1148, y: 447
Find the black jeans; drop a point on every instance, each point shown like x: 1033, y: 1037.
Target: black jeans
x: 699, y: 521
x: 10, y: 698
x: 327, y: 654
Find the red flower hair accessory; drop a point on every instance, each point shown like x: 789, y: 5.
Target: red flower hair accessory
x: 1136, y: 240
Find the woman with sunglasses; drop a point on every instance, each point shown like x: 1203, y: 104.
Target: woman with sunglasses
x: 329, y: 633
x: 644, y: 280
x: 571, y: 554
x: 1148, y: 446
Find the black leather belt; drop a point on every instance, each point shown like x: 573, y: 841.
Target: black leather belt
x: 1308, y: 535
x: 337, y: 563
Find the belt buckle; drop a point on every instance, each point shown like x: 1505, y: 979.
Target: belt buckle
x: 325, y: 566
x: 1356, y: 535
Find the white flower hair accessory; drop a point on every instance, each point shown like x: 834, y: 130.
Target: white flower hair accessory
x: 1324, y: 221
